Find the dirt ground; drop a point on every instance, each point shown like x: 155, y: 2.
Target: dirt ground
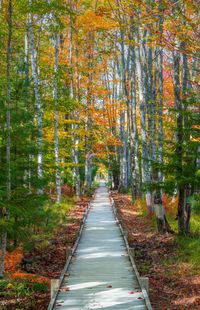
x: 155, y: 257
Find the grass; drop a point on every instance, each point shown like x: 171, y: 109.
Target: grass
x: 188, y: 253
x: 187, y: 247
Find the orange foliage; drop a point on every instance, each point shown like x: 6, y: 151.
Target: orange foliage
x: 12, y: 267
x: 30, y: 277
x: 13, y: 260
x: 170, y: 203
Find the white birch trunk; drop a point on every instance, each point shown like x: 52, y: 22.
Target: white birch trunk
x: 76, y: 167
x: 88, y: 171
x: 159, y: 209
x: 142, y: 99
x: 28, y: 173
x: 5, y: 213
x: 90, y: 101
x: 134, y: 135
x: 123, y: 150
x: 75, y: 137
x: 56, y: 121
x: 37, y: 94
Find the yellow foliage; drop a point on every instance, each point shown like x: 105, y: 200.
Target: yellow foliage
x: 90, y: 21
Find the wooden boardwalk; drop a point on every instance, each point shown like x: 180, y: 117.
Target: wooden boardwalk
x: 100, y: 275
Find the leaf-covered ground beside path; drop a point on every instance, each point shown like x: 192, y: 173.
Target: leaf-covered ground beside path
x: 173, y: 271
x: 50, y: 262
x: 31, y: 290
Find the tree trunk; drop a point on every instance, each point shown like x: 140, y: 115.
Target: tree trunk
x: 142, y: 97
x: 5, y: 213
x: 161, y: 220
x: 88, y: 171
x: 56, y: 138
x: 90, y: 102
x: 183, y: 210
x: 136, y: 190
x: 75, y: 137
x: 37, y: 94
x: 162, y: 223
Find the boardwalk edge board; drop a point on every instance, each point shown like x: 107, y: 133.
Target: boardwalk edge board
x: 124, y: 234
x: 63, y: 274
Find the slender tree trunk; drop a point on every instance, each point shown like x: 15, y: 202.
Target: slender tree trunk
x: 5, y: 213
x: 162, y: 223
x: 186, y: 88
x: 88, y: 141
x: 37, y: 94
x: 123, y: 135
x: 134, y: 136
x: 182, y: 205
x: 160, y: 106
x: 142, y: 98
x: 75, y: 137
x: 26, y: 62
x: 161, y: 219
x: 88, y: 171
x: 76, y: 167
x: 56, y: 120
x: 27, y: 171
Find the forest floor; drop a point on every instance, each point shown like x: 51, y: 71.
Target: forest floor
x: 170, y: 262
x: 27, y: 287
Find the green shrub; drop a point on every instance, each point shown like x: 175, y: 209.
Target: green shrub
x: 195, y: 203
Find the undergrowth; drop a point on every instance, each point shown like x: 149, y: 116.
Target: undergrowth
x: 56, y: 214
x: 187, y: 247
x: 21, y: 288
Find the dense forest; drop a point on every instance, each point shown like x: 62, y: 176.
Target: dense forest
x: 97, y: 88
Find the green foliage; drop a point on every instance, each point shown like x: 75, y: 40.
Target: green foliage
x: 39, y: 233
x: 95, y: 184
x: 21, y: 288
x: 195, y: 203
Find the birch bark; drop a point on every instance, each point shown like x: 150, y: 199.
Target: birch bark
x: 134, y: 135
x: 75, y: 137
x: 56, y: 120
x: 38, y: 102
x: 182, y: 214
x: 161, y: 219
x: 141, y: 79
x: 88, y: 125
x: 5, y: 213
x: 123, y: 135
